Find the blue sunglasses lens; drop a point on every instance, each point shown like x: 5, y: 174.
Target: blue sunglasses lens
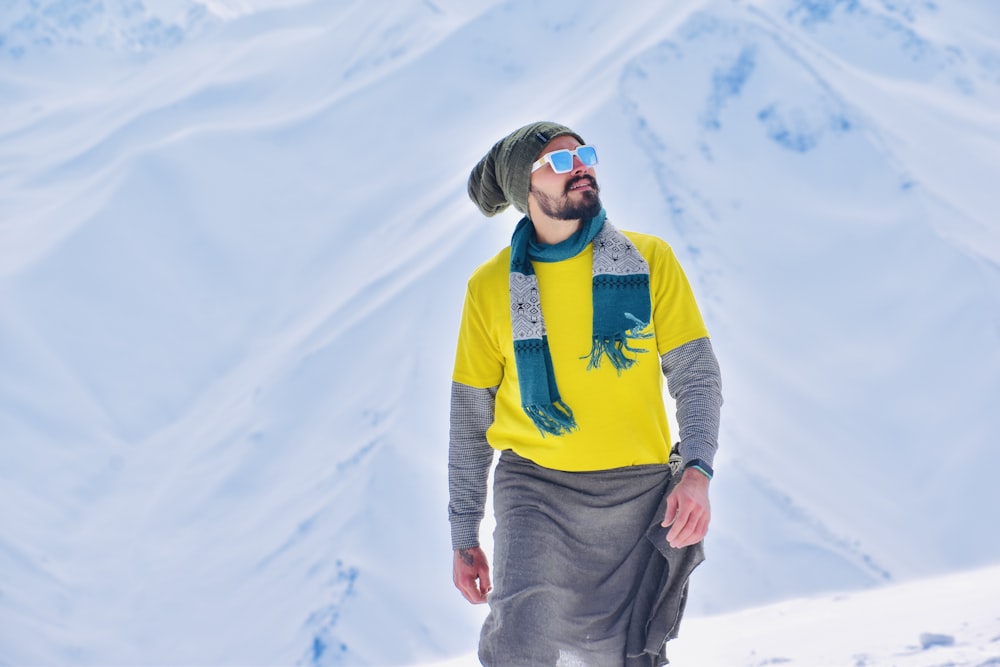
x: 587, y: 155
x: 562, y: 161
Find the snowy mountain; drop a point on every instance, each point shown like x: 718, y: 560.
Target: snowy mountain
x: 234, y: 238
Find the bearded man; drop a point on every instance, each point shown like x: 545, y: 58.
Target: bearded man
x: 565, y: 340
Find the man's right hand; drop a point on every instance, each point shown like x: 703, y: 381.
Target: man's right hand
x: 471, y: 573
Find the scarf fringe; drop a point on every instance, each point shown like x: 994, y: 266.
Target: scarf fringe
x: 556, y: 418
x: 615, y: 347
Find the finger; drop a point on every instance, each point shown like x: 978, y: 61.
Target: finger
x: 461, y: 582
x: 670, y: 515
x: 699, y: 533
x: 463, y: 589
x: 685, y: 538
x: 686, y: 526
x: 681, y: 520
x: 702, y: 528
x: 465, y: 581
x: 470, y: 591
x: 693, y: 533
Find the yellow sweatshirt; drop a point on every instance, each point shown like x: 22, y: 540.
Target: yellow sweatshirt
x: 622, y: 419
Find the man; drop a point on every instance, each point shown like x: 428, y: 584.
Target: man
x: 565, y: 340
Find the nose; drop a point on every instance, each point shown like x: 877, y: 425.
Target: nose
x: 578, y: 165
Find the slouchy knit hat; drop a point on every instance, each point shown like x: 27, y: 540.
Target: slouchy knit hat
x: 503, y: 175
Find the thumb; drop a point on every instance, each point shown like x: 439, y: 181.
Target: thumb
x: 484, y: 581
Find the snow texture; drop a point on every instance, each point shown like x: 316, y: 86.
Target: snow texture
x: 234, y: 240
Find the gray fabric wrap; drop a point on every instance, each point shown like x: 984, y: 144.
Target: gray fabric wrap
x: 503, y: 175
x: 583, y: 573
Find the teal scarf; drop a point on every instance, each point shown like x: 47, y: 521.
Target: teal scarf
x: 621, y: 312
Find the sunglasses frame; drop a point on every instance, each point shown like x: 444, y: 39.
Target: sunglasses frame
x: 547, y: 159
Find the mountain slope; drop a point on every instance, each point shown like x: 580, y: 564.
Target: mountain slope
x: 232, y: 265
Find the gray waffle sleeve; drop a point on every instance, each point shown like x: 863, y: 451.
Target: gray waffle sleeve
x: 469, y: 459
x: 695, y: 383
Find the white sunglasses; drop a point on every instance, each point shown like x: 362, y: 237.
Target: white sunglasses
x: 562, y: 159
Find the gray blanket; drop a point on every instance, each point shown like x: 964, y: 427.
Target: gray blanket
x: 583, y: 574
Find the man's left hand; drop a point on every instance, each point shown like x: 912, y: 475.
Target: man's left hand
x: 688, y: 511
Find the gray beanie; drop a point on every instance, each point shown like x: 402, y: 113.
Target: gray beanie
x: 503, y: 175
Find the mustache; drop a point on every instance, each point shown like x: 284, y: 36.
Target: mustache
x: 589, y: 179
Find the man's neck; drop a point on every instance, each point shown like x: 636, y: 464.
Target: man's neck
x: 551, y: 231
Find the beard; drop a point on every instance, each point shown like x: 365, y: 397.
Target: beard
x: 584, y: 206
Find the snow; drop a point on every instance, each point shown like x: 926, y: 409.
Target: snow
x: 234, y: 238
x: 948, y: 620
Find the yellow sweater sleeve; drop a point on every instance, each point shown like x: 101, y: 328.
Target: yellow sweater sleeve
x: 479, y: 358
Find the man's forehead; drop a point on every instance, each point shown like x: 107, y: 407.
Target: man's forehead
x: 562, y: 141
